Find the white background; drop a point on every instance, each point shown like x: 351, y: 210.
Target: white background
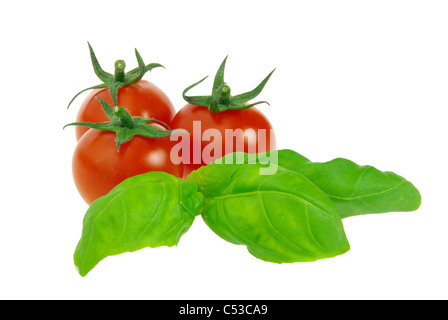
x: 364, y: 80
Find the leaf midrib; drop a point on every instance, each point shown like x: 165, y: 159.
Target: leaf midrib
x: 260, y: 192
x: 369, y: 194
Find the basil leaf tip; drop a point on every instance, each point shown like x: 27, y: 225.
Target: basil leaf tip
x: 149, y: 210
x: 354, y: 189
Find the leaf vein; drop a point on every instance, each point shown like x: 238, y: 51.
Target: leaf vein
x: 370, y: 194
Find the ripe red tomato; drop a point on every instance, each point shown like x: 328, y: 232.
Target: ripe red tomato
x: 98, y: 166
x: 142, y: 98
x: 251, y: 123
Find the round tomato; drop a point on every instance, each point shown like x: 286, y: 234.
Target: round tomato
x: 228, y: 131
x: 98, y: 166
x: 222, y: 123
x: 142, y: 98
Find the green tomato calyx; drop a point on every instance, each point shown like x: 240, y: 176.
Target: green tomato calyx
x: 119, y: 79
x: 126, y: 126
x: 221, y: 99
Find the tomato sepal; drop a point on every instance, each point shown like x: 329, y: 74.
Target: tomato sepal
x: 119, y: 78
x: 126, y: 127
x: 221, y: 100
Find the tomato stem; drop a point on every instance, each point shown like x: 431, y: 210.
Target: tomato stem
x: 221, y: 98
x: 119, y: 75
x: 125, y: 118
x: 225, y: 91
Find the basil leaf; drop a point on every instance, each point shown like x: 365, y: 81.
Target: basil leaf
x: 149, y: 210
x: 281, y: 217
x: 354, y: 189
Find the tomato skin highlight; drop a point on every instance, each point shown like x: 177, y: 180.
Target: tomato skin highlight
x: 245, y: 120
x: 98, y: 167
x: 143, y: 99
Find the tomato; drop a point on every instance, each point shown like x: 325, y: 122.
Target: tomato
x: 222, y: 123
x: 142, y: 98
x: 251, y: 122
x: 98, y: 166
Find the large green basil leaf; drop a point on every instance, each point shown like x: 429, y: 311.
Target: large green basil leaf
x: 149, y: 210
x: 281, y: 217
x: 354, y: 189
